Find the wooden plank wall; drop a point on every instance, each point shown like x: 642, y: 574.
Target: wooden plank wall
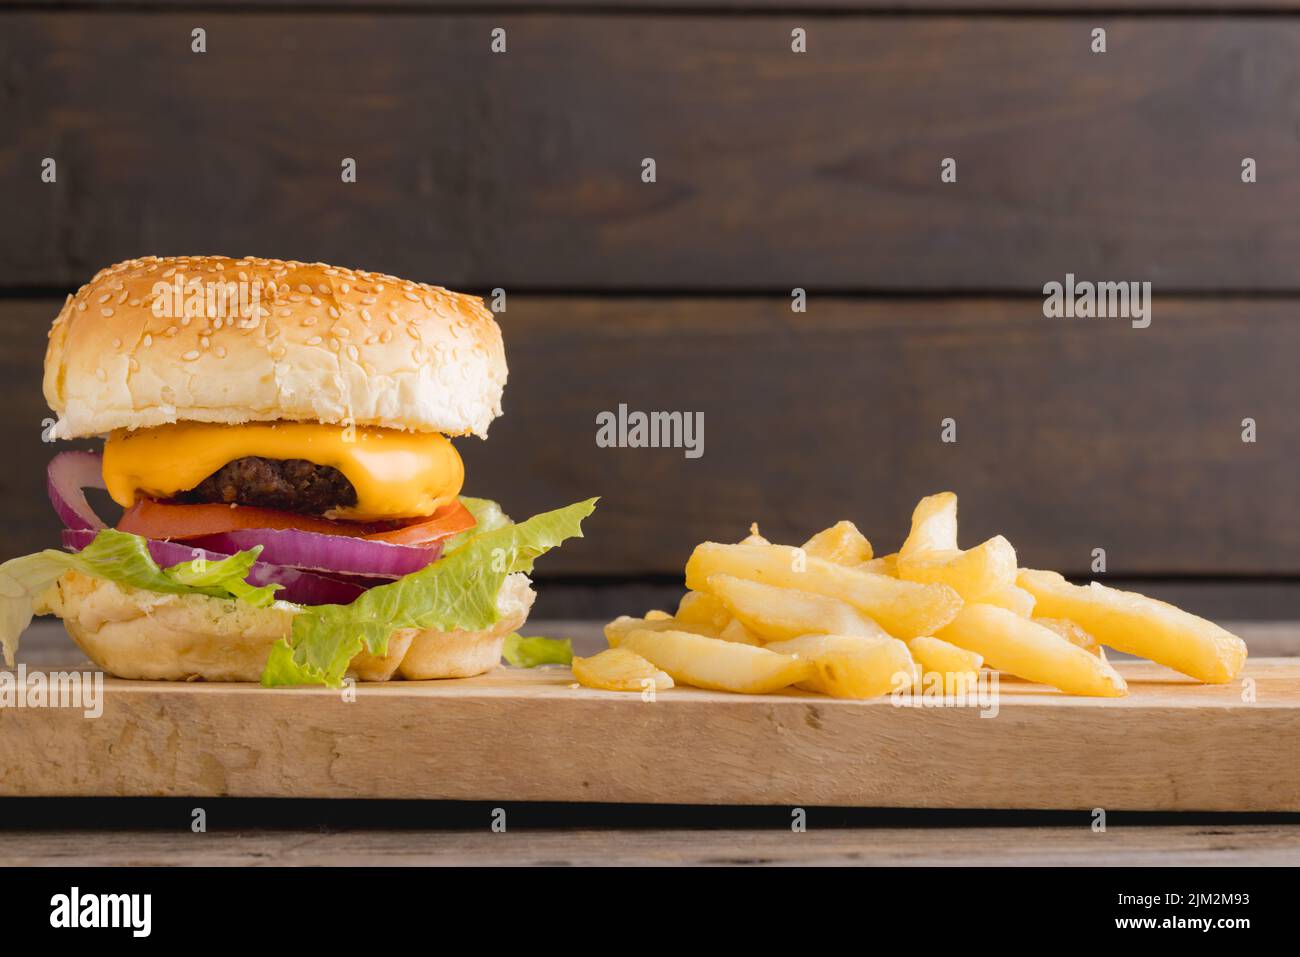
x: 774, y: 170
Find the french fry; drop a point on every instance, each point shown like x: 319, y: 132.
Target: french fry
x: 1138, y: 625
x: 850, y: 666
x: 1012, y: 598
x: 1021, y: 647
x: 618, y: 669
x: 904, y: 609
x: 935, y: 654
x: 1073, y: 634
x: 883, y: 565
x: 735, y: 630
x: 715, y: 664
x: 701, y: 608
x: 973, y: 574
x: 624, y: 625
x: 842, y: 543
x: 778, y: 614
x: 934, y: 526
x: 957, y: 668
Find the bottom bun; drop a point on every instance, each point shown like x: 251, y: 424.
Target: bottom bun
x: 131, y: 633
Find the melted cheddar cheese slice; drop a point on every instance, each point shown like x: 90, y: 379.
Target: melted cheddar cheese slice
x: 395, y: 474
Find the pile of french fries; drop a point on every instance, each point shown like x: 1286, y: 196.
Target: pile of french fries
x: 832, y: 618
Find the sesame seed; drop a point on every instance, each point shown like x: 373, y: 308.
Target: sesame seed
x: 413, y: 297
x: 314, y: 341
x: 191, y: 355
x: 117, y: 343
x: 365, y: 315
x: 353, y: 353
x: 105, y: 297
x: 221, y: 352
x: 171, y: 331
x: 106, y: 312
x: 310, y: 320
x: 314, y: 301
x: 147, y: 341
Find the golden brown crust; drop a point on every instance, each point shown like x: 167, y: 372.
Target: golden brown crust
x: 321, y: 343
x: 137, y: 634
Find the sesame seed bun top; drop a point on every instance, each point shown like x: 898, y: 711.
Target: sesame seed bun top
x: 210, y: 339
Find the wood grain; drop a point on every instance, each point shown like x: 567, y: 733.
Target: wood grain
x: 1171, y: 846
x: 1071, y: 435
x: 532, y: 736
x: 775, y: 170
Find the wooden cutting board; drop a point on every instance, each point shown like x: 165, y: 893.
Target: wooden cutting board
x: 533, y: 736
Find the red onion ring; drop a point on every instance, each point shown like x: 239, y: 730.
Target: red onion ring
x: 302, y: 588
x: 338, y: 554
x: 68, y: 476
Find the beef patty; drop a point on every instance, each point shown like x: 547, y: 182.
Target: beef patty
x: 293, y: 485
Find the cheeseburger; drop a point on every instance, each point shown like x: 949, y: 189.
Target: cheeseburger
x: 278, y: 437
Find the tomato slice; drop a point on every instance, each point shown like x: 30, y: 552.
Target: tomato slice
x: 163, y: 520
x: 452, y: 518
x: 152, y: 519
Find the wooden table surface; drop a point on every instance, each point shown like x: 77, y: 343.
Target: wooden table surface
x: 91, y: 832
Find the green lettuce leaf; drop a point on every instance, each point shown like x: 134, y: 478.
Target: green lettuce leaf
x: 457, y: 592
x: 488, y: 517
x: 530, y: 652
x: 124, y: 559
